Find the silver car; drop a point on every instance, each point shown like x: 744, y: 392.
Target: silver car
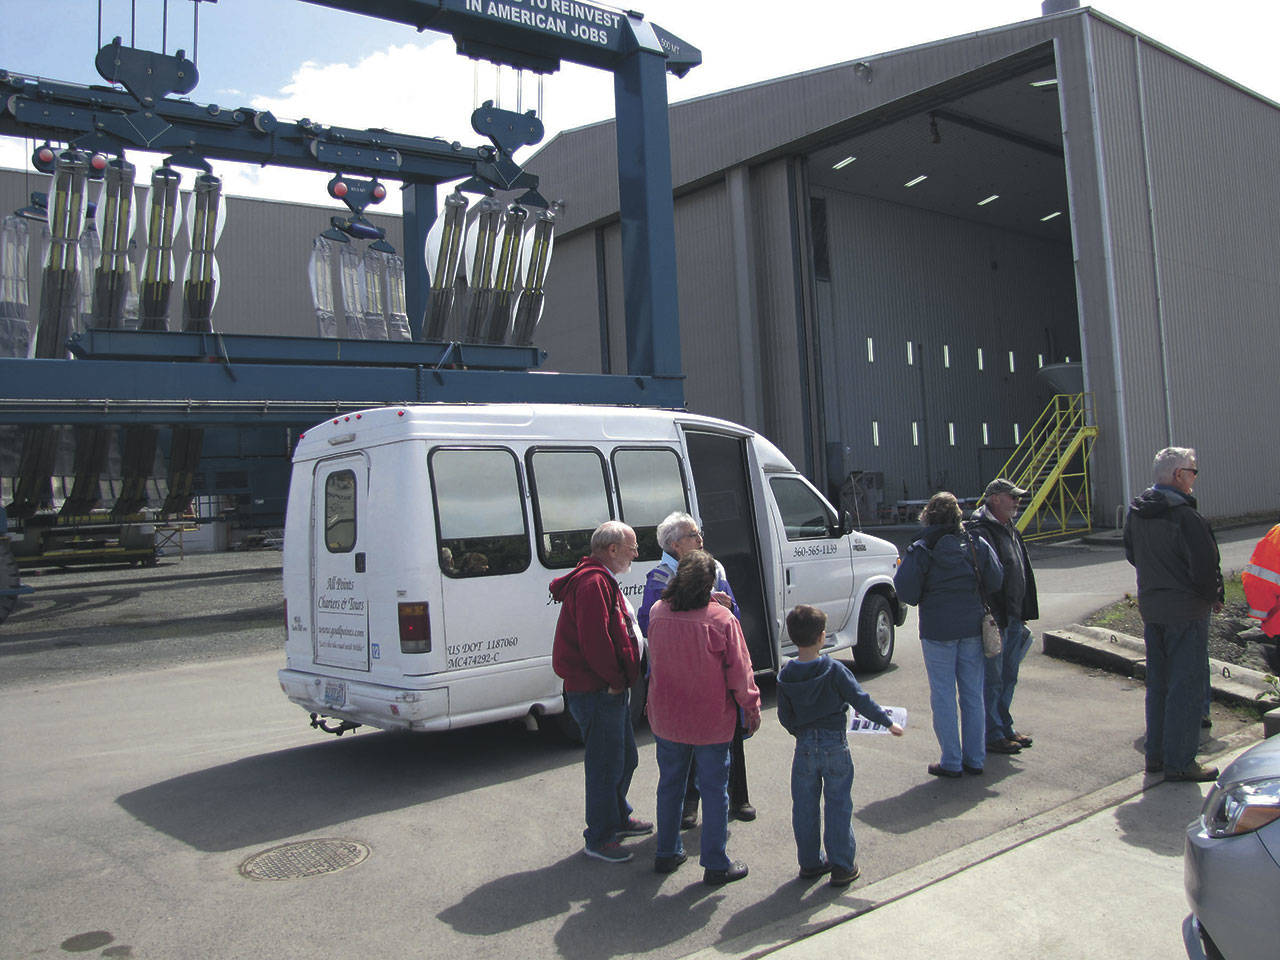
x: 1231, y: 865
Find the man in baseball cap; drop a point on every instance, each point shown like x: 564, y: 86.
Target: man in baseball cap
x: 1012, y: 605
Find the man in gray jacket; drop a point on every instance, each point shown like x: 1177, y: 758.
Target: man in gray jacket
x: 1179, y: 585
x: 1012, y: 605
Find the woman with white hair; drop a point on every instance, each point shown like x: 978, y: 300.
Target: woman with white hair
x: 678, y: 535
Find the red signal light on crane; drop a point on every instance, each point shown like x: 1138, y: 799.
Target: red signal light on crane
x: 98, y: 161
x: 339, y: 189
x: 379, y: 191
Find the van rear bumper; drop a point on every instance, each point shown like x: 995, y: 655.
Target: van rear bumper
x: 397, y: 708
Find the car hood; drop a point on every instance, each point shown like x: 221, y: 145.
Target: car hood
x: 1260, y: 760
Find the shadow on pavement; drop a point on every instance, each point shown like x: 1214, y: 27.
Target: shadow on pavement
x: 1155, y: 820
x: 939, y: 799
x: 274, y: 796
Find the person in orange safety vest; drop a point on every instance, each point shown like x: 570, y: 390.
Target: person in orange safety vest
x: 1261, y: 579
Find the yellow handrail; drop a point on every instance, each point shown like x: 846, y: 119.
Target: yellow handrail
x: 1052, y: 464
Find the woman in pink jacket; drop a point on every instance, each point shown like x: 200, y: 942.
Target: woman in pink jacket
x: 700, y: 678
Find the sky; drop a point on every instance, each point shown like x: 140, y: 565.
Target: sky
x: 300, y: 60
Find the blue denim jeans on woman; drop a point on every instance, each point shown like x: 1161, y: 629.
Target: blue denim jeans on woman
x: 957, y: 665
x: 608, y: 762
x: 1002, y: 676
x: 711, y: 763
x: 1177, y: 661
x: 822, y: 768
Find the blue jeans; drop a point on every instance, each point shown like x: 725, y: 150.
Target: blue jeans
x: 822, y: 768
x: 1177, y: 661
x: 1002, y: 676
x: 609, y: 761
x: 711, y: 762
x: 957, y: 665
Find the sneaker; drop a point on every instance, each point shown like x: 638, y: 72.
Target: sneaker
x: 610, y: 852
x: 635, y: 827
x: 718, y: 878
x: 669, y: 864
x: 744, y: 812
x: 840, y: 877
x: 938, y: 770
x: 689, y: 816
x: 813, y: 873
x: 1197, y: 773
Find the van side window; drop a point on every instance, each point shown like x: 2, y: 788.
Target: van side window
x: 479, y: 512
x: 804, y: 515
x: 570, y: 499
x: 340, y: 511
x: 650, y: 486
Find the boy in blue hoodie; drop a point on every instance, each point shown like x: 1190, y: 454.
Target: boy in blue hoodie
x: 813, y: 691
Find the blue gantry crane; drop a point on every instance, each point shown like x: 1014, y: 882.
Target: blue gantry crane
x: 152, y: 382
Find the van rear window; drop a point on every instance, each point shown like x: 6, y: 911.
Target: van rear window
x: 479, y: 512
x: 340, y: 511
x: 570, y: 499
x: 650, y: 486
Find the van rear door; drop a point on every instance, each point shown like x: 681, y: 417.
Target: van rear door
x: 721, y: 480
x: 817, y: 559
x: 339, y: 599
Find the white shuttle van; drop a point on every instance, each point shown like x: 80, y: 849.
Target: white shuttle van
x: 420, y: 541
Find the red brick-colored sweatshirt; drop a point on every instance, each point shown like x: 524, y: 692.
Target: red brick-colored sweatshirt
x: 593, y: 647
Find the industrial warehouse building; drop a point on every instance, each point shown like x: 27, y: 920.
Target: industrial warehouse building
x: 876, y: 258
x: 890, y: 265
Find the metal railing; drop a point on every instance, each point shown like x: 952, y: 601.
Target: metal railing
x: 1052, y: 463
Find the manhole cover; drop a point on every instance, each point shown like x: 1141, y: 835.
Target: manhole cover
x: 307, y: 858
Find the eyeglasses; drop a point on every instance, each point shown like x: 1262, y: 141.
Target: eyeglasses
x: 1192, y: 470
x: 695, y: 534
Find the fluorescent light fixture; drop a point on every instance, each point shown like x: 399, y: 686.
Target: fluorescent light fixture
x: 919, y: 179
x: 983, y: 203
x: 1051, y: 82
x: 843, y: 163
x: 1056, y: 213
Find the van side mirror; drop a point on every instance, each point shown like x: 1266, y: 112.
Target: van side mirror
x: 846, y: 523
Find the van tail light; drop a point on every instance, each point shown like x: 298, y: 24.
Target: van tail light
x: 415, y: 628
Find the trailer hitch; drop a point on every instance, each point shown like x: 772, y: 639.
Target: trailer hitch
x: 321, y: 723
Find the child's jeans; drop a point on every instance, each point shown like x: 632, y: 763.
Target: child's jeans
x: 822, y: 767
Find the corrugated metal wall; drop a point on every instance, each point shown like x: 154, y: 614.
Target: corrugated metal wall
x: 928, y: 293
x: 1190, y: 169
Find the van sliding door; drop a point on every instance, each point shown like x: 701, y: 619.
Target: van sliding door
x: 721, y: 480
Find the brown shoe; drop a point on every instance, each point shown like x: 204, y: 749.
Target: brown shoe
x: 1021, y: 739
x: 1196, y: 773
x: 1003, y: 745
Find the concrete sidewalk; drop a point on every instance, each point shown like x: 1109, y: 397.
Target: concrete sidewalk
x: 1098, y: 877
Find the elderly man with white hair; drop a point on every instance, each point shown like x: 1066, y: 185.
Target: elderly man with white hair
x: 1179, y: 585
x: 678, y: 534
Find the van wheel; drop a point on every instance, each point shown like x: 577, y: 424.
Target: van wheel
x: 8, y: 580
x: 560, y: 726
x: 875, y: 634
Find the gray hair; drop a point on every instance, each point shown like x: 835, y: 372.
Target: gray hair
x: 671, y: 529
x: 607, y: 534
x: 1169, y: 461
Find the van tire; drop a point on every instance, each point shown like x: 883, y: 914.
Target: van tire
x: 8, y: 580
x: 874, y: 650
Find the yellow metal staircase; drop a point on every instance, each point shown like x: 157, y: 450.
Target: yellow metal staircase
x: 1052, y: 464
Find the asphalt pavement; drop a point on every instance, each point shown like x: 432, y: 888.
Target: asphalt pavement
x: 148, y: 754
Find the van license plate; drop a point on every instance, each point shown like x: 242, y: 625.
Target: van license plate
x: 335, y: 693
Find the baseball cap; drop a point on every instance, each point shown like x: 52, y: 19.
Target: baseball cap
x: 1001, y: 485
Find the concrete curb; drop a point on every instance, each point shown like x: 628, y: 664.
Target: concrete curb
x: 1126, y: 655
x: 775, y: 936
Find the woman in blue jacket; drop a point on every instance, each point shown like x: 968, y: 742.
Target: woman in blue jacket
x: 940, y: 575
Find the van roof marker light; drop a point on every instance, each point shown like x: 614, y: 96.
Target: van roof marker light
x: 983, y: 203
x: 341, y: 439
x: 399, y: 413
x: 919, y: 179
x: 843, y: 163
x: 1056, y: 213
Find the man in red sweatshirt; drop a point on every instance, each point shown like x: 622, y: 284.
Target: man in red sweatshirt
x: 597, y: 654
